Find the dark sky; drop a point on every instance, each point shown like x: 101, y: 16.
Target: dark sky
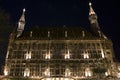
x: 67, y: 12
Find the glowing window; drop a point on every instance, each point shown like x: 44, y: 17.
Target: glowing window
x: 6, y: 71
x: 118, y: 75
x: 47, y: 72
x: 27, y: 72
x: 28, y: 55
x: 86, y: 56
x: 67, y: 72
x: 102, y: 53
x: 119, y: 68
x: 47, y: 56
x: 67, y: 56
x: 106, y: 73
x: 88, y: 73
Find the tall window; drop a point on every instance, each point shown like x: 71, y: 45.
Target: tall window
x: 67, y: 55
x: 27, y: 72
x: 6, y: 71
x: 88, y: 73
x: 47, y: 56
x: 86, y: 55
x: 102, y: 53
x: 28, y: 55
x: 67, y: 72
x: 47, y: 71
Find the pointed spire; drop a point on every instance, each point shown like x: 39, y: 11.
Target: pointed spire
x: 91, y: 9
x: 92, y: 15
x: 23, y: 15
x: 94, y: 23
x: 21, y: 24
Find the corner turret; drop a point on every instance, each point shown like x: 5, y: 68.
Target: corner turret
x: 21, y: 24
x: 94, y: 23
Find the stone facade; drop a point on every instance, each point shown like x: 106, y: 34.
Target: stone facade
x: 60, y: 53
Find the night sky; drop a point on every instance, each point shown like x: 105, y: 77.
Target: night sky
x: 65, y: 12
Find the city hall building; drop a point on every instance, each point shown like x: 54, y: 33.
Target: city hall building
x: 59, y: 52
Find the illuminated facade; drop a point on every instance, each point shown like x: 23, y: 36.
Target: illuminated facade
x: 60, y: 53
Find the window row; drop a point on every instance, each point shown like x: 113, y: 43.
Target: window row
x: 83, y: 45
x: 27, y: 72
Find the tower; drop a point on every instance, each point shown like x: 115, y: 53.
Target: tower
x: 94, y: 23
x: 21, y: 24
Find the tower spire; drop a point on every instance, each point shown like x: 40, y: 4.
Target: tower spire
x: 94, y: 23
x: 21, y: 24
x: 92, y: 16
x: 91, y: 9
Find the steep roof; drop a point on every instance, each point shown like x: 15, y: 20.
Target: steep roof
x: 57, y: 33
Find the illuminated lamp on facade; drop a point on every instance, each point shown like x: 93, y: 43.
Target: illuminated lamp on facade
x: 6, y: 71
x: 118, y: 68
x: 27, y: 72
x: 67, y: 72
x: 106, y: 73
x: 28, y: 55
x: 88, y: 72
x: 67, y: 56
x: 86, y: 55
x: 47, y: 72
x: 47, y: 56
x: 102, y: 53
x: 118, y: 75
